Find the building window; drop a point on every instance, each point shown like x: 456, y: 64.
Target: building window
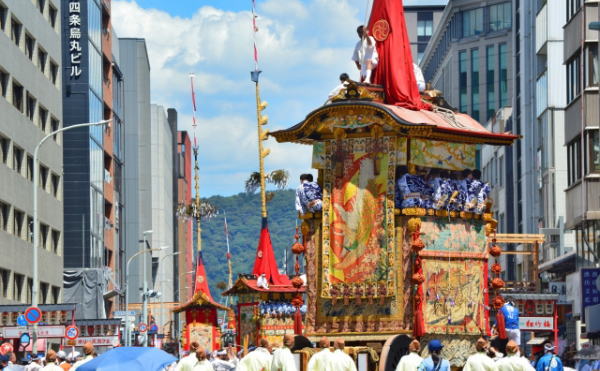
x: 4, y: 282
x: 55, y: 241
x: 500, y: 17
x: 18, y: 280
x: 42, y: 58
x: 574, y: 160
x: 4, y: 148
x: 44, y: 172
x: 594, y: 150
x: 18, y: 222
x: 55, y: 179
x: 17, y: 95
x: 572, y: 8
x: 573, y: 78
x: 53, y: 72
x: 55, y: 295
x: 29, y: 173
x: 18, y: 155
x: 52, y: 14
x: 41, y: 4
x: 475, y: 84
x: 3, y: 83
x: 29, y: 237
x: 4, y: 213
x: 29, y: 46
x: 472, y: 22
x: 3, y: 14
x: 15, y: 31
x: 462, y: 80
x: 425, y: 24
x: 44, y: 230
x: 592, y: 72
x: 490, y: 72
x: 30, y: 107
x: 54, y: 126
x: 42, y: 118
x: 503, y: 69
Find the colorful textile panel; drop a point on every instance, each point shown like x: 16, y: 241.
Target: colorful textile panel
x: 454, y: 296
x: 457, y: 238
x: 358, y: 218
x: 318, y: 155
x: 443, y: 155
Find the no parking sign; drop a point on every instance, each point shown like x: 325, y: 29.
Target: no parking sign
x: 72, y: 332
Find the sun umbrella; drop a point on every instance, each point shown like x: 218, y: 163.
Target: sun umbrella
x: 130, y: 359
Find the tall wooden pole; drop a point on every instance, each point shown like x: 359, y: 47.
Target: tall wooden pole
x: 262, y: 136
x: 197, y: 213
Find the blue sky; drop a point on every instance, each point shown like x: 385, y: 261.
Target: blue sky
x: 303, y: 47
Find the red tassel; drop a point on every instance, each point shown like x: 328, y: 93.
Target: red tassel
x: 298, y: 322
x: 501, y: 324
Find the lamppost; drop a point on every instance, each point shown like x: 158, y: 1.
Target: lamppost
x: 162, y: 282
x: 36, y: 227
x: 127, y: 335
x: 145, y: 289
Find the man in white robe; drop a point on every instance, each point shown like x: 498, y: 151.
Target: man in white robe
x: 202, y: 364
x: 225, y: 360
x: 365, y: 54
x: 283, y: 360
x: 513, y: 360
x: 323, y: 360
x: 412, y: 360
x: 259, y: 359
x: 187, y: 363
x: 341, y: 360
x: 480, y: 360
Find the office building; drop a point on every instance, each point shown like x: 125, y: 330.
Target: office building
x: 137, y: 174
x: 184, y: 224
x: 422, y: 18
x: 163, y: 134
x: 582, y: 128
x: 30, y: 108
x: 93, y: 156
x: 557, y: 258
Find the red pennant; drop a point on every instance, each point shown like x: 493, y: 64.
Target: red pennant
x: 265, y: 262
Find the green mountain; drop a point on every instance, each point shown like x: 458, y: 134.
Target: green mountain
x: 243, y: 220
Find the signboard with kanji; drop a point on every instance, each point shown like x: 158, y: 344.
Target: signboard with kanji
x: 98, y: 341
x: 56, y: 332
x: 590, y: 287
x: 536, y: 323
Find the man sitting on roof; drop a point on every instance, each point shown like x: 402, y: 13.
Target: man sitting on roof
x: 365, y: 54
x: 308, y: 195
x: 344, y: 78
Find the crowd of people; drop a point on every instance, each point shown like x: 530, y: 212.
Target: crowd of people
x: 486, y: 358
x: 50, y: 361
x: 442, y: 190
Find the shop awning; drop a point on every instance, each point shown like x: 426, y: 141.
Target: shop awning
x: 560, y: 264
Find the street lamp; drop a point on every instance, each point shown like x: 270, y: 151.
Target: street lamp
x: 127, y: 336
x: 36, y: 227
x: 161, y: 282
x: 144, y: 302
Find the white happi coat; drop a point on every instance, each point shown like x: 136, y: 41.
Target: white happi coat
x: 409, y: 362
x: 283, y: 360
x: 480, y: 362
x: 258, y: 360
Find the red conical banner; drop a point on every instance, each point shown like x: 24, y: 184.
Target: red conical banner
x: 395, y: 69
x: 201, y: 281
x: 265, y: 262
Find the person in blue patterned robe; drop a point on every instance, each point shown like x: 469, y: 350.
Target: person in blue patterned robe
x: 442, y: 192
x: 409, y: 189
x: 433, y: 182
x: 309, y: 196
x: 459, y: 191
x: 473, y: 191
x: 482, y: 198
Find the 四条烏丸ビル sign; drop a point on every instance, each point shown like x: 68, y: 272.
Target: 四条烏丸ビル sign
x: 73, y: 21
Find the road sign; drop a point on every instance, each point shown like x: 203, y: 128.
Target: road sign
x: 33, y: 315
x: 5, y: 348
x: 142, y: 327
x: 21, y: 321
x: 123, y: 313
x: 72, y: 332
x: 24, y: 340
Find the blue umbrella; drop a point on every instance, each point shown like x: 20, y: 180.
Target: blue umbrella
x: 130, y: 359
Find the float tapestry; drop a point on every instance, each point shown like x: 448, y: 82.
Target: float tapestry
x: 454, y: 296
x: 458, y: 238
x: 401, y: 151
x: 318, y: 155
x: 358, y: 217
x: 443, y: 155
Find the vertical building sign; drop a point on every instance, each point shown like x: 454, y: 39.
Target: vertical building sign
x: 75, y: 38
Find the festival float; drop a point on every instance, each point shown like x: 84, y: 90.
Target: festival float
x: 375, y: 268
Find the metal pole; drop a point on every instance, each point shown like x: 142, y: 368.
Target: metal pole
x: 36, y: 227
x: 144, y: 296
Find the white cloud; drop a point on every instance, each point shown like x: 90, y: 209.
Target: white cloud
x: 303, y: 47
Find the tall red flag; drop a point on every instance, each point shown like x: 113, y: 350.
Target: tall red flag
x: 395, y: 69
x: 265, y: 262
